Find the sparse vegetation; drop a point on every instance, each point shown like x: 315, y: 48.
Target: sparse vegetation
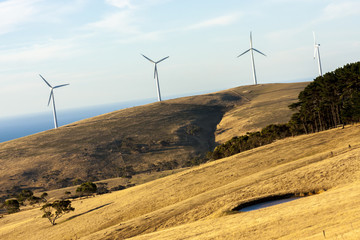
x: 117, y: 188
x: 55, y: 210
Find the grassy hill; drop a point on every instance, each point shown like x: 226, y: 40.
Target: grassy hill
x: 140, y: 140
x: 197, y: 203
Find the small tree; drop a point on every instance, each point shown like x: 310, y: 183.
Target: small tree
x: 87, y: 188
x: 25, y: 195
x: 11, y: 205
x: 57, y: 209
x: 44, y: 196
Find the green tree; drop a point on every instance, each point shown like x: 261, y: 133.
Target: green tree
x: 87, y: 188
x: 55, y: 210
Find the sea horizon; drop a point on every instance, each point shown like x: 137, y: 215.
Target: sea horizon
x: 13, y: 127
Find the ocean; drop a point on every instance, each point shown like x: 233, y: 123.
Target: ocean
x: 24, y: 125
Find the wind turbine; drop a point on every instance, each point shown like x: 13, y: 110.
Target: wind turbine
x: 53, y: 99
x: 156, y: 75
x: 251, y: 49
x: 317, y: 52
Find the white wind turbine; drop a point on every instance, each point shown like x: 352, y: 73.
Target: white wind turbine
x: 251, y: 49
x: 53, y: 99
x: 317, y: 53
x: 156, y: 76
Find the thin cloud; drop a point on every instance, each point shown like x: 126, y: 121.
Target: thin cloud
x: 122, y: 22
x: 36, y: 53
x: 219, y: 21
x: 16, y: 12
x: 119, y: 3
x: 340, y: 10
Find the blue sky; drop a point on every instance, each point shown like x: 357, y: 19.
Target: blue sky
x: 95, y: 45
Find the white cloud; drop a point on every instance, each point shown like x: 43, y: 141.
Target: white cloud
x: 219, y: 21
x: 340, y: 9
x: 16, y: 12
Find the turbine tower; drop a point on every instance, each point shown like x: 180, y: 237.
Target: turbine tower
x: 156, y: 75
x: 251, y: 49
x: 317, y: 52
x: 53, y: 99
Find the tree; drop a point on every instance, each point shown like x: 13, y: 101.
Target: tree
x: 24, y: 195
x: 57, y: 209
x: 87, y: 188
x: 11, y: 205
x: 44, y: 196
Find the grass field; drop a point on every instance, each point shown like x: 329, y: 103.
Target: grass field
x: 197, y: 203
x: 145, y: 139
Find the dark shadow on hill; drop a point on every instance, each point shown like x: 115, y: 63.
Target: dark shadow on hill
x: 91, y: 210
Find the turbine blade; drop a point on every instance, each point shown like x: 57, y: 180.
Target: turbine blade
x: 147, y: 58
x: 61, y: 85
x: 45, y: 81
x: 259, y: 51
x: 315, y: 51
x: 155, y: 71
x: 162, y: 59
x: 51, y: 95
x: 244, y: 53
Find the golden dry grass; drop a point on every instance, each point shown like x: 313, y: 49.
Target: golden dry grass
x: 196, y: 203
x: 141, y: 137
x: 261, y: 105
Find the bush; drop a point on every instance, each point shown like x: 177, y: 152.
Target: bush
x: 87, y: 188
x: 55, y: 210
x: 11, y: 205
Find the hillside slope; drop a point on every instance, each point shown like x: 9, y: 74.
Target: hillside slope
x: 197, y: 203
x: 147, y: 138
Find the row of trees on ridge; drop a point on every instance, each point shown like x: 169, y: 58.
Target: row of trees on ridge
x: 327, y: 102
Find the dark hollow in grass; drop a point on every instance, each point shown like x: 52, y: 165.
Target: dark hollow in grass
x: 271, y: 200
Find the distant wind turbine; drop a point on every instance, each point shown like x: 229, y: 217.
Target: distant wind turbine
x: 156, y: 76
x: 317, y: 52
x: 251, y: 49
x: 53, y: 99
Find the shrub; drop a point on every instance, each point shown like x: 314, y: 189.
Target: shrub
x: 87, y: 188
x: 55, y: 210
x: 11, y: 205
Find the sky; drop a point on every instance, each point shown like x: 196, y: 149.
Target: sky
x: 96, y: 47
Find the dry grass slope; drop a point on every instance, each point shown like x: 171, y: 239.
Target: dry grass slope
x: 144, y: 137
x: 196, y: 203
